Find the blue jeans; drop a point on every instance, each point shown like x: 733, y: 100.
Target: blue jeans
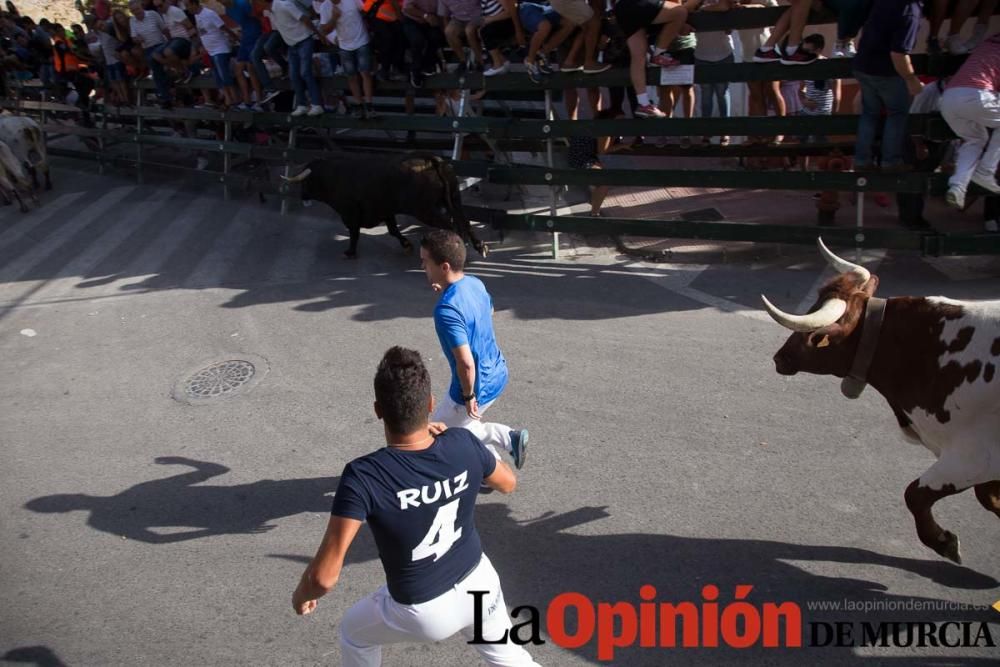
x: 159, y: 75
x: 878, y: 92
x: 300, y: 62
x: 270, y: 44
x: 715, y: 91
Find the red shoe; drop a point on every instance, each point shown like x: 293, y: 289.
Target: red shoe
x: 800, y: 57
x: 762, y: 56
x: 664, y: 60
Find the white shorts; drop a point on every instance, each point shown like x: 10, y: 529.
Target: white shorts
x: 491, y: 434
x: 377, y: 620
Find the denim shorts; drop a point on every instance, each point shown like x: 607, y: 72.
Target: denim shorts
x: 180, y: 47
x: 357, y: 61
x: 116, y: 72
x: 247, y: 42
x: 532, y: 15
x: 221, y: 70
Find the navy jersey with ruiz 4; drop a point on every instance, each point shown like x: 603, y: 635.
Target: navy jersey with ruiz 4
x: 420, y: 506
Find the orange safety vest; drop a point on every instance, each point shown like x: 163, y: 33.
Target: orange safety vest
x: 71, y: 61
x: 386, y: 12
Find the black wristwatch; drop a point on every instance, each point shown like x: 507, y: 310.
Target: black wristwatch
x: 468, y: 398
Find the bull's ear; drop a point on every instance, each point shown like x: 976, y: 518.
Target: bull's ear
x: 870, y: 286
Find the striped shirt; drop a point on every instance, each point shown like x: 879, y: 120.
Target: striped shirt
x: 149, y: 30
x: 821, y: 94
x: 982, y: 68
x: 490, y: 7
x: 460, y: 10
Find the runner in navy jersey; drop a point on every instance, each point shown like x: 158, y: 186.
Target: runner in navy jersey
x: 418, y: 496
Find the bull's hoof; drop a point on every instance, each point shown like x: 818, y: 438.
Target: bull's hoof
x: 949, y: 547
x: 483, y: 249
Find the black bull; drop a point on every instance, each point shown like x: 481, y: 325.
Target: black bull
x: 369, y: 190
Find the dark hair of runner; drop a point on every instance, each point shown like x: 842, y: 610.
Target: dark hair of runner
x: 403, y: 390
x: 445, y: 246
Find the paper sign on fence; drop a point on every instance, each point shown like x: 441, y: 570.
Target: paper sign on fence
x: 677, y: 76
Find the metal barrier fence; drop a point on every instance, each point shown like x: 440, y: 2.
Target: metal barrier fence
x: 521, y: 131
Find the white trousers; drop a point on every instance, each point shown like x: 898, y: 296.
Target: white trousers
x: 971, y: 113
x: 377, y: 620
x: 491, y: 434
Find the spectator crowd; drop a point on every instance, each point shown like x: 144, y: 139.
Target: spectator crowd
x: 247, y: 46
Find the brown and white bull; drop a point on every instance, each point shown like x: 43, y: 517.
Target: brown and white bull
x: 936, y: 362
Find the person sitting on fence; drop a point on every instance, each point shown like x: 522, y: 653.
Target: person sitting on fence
x: 501, y: 23
x: 424, y: 37
x: 548, y: 31
x: 885, y: 75
x: 463, y: 18
x: 938, y: 10
x: 40, y: 46
x: 681, y: 51
x: 971, y: 105
x: 634, y: 16
x: 217, y: 38
x: 355, y: 55
x: 818, y: 97
x: 269, y: 43
x: 588, y: 16
x: 129, y: 51
x: 150, y: 32
x: 176, y: 55
x: 115, y: 75
x: 241, y: 11
x: 297, y: 30
x: 328, y: 58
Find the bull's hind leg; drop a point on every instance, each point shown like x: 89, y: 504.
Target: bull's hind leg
x: 352, y: 249
x: 394, y: 231
x: 988, y: 494
x: 919, y: 500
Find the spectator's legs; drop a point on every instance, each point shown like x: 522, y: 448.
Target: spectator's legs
x: 896, y: 99
x: 305, y: 49
x: 637, y: 47
x: 257, y: 58
x: 368, y: 85
x: 555, y: 41
x: 295, y: 72
x: 453, y: 35
x: 673, y: 18
x: 591, y: 35
x: 871, y: 109
x: 537, y: 40
x: 936, y: 16
x: 354, y: 83
x: 971, y: 114
x: 419, y: 44
x: 472, y: 37
x: 962, y: 13
x: 159, y: 75
x: 598, y: 193
x: 274, y: 46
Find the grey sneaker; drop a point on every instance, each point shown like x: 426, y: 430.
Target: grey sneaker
x: 519, y: 447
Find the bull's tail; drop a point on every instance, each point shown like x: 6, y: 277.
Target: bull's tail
x: 453, y: 201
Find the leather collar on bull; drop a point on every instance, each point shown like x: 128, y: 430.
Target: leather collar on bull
x: 856, y: 381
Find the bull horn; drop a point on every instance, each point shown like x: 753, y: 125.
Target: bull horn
x: 842, y: 265
x: 831, y: 311
x: 297, y: 179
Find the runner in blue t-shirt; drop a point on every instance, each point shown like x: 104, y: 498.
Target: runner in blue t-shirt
x: 463, y: 319
x: 418, y: 495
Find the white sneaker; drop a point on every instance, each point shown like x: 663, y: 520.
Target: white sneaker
x: 300, y: 110
x: 844, y: 49
x: 955, y: 198
x: 202, y: 164
x: 956, y: 46
x: 991, y: 226
x: 496, y: 71
x: 315, y: 110
x: 978, y: 33
x: 986, y: 182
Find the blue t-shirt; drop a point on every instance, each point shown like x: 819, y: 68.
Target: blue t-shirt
x: 420, y: 507
x: 464, y: 316
x: 242, y: 12
x: 891, y: 27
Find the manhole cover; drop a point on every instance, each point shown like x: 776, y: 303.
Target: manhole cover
x: 221, y: 379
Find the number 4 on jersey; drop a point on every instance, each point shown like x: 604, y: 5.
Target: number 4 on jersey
x: 441, y: 535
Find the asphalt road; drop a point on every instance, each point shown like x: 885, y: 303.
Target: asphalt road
x: 139, y: 529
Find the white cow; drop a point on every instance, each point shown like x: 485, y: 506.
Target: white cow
x: 25, y: 138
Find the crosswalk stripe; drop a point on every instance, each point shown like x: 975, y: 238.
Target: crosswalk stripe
x: 213, y: 267
x: 26, y: 261
x: 100, y: 247
x: 21, y: 226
